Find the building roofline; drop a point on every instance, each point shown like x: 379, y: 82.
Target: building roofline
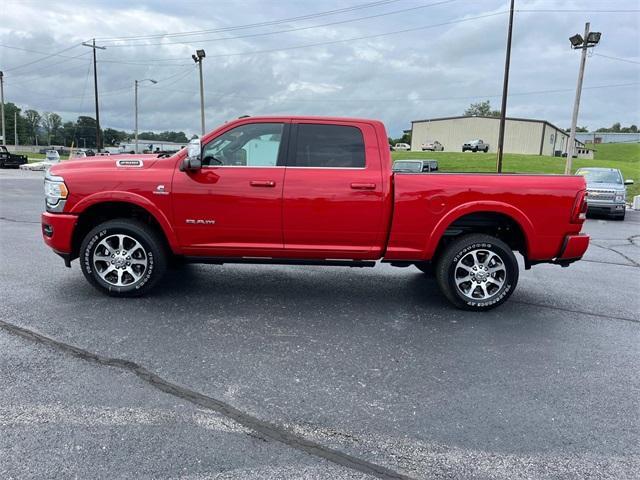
x: 518, y: 119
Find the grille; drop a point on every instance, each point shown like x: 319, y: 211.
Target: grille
x: 601, y: 195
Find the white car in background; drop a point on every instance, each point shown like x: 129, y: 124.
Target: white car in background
x: 52, y: 157
x: 402, y: 147
x: 434, y: 146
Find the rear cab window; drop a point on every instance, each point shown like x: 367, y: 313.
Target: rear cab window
x: 328, y: 146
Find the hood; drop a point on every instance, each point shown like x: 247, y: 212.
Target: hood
x: 107, y: 162
x: 605, y: 186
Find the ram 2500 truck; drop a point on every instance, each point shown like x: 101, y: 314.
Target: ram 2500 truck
x: 310, y: 191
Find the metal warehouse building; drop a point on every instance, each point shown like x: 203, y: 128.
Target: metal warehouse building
x: 521, y: 135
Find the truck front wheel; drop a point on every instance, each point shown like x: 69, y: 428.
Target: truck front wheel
x: 123, y: 258
x: 477, y: 272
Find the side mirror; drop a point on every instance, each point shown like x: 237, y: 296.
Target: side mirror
x: 628, y: 182
x: 193, y: 161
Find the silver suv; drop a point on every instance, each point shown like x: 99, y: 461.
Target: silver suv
x: 607, y: 191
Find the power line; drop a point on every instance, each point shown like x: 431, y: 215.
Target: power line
x: 574, y: 10
x: 116, y: 91
x: 352, y: 39
x: 414, y: 99
x: 255, y: 25
x: 617, y: 58
x: 48, y: 55
x: 289, y: 30
x: 44, y: 67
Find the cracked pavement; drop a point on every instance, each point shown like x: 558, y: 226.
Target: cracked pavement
x: 370, y: 366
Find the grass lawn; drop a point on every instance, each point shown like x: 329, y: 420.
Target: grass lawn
x: 625, y: 156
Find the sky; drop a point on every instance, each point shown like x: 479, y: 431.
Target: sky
x: 393, y: 60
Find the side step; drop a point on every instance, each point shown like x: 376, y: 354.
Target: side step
x: 281, y: 261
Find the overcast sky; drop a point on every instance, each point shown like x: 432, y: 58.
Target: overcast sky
x: 436, y: 57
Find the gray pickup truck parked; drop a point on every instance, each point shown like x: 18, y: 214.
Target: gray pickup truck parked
x: 606, y: 191
x: 476, y: 146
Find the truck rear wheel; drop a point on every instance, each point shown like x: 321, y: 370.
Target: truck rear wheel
x: 477, y: 272
x: 123, y: 258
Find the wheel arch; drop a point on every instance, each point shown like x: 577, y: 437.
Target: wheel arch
x: 493, y: 218
x: 103, y: 208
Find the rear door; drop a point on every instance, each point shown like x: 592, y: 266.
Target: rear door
x: 333, y: 191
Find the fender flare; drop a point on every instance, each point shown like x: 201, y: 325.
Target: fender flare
x: 460, y: 211
x: 134, y: 199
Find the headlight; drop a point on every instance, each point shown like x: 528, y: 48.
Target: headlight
x: 55, y: 192
x: 619, y: 197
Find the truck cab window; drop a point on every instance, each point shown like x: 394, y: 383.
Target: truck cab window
x: 329, y: 146
x: 252, y: 145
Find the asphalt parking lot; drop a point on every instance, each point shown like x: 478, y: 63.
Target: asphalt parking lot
x: 242, y: 372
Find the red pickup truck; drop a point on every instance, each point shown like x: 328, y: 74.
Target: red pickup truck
x: 310, y: 191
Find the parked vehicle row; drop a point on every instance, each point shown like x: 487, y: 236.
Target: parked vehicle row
x: 477, y: 145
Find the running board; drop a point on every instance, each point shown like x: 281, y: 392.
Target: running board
x: 281, y: 261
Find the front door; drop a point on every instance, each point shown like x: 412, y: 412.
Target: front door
x: 234, y: 203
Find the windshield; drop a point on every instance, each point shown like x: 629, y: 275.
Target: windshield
x: 601, y: 176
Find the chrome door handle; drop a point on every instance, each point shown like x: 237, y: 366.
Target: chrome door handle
x: 262, y: 183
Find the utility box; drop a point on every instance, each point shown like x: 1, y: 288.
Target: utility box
x: 636, y: 202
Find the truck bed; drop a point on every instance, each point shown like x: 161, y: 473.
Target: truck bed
x: 426, y: 204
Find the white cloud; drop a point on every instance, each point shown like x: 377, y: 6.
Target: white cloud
x: 397, y: 78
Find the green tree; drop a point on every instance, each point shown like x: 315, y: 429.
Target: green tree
x: 52, y: 123
x: 578, y: 129
x: 85, y: 132
x: 113, y: 137
x: 481, y: 109
x: 33, y: 122
x: 11, y: 111
x: 66, y: 135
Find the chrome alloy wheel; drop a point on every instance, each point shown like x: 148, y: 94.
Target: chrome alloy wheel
x: 120, y: 260
x: 480, y: 274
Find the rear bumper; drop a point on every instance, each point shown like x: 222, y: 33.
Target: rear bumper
x: 57, y: 232
x: 573, y: 248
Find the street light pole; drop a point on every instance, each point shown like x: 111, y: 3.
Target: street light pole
x: 576, y: 104
x: 505, y: 88
x: 136, y: 115
x: 4, y: 137
x: 199, y: 55
x: 136, y: 82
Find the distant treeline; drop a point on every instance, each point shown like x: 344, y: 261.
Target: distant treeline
x: 47, y: 128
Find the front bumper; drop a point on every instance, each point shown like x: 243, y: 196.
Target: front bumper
x: 57, y: 232
x: 606, y: 208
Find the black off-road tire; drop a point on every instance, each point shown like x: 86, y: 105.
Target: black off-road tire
x: 152, y: 251
x: 447, y: 272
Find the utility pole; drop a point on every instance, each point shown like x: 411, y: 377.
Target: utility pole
x: 4, y: 138
x: 505, y: 88
x: 136, y: 82
x: 95, y: 86
x: 199, y: 55
x: 589, y: 40
x: 15, y: 128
